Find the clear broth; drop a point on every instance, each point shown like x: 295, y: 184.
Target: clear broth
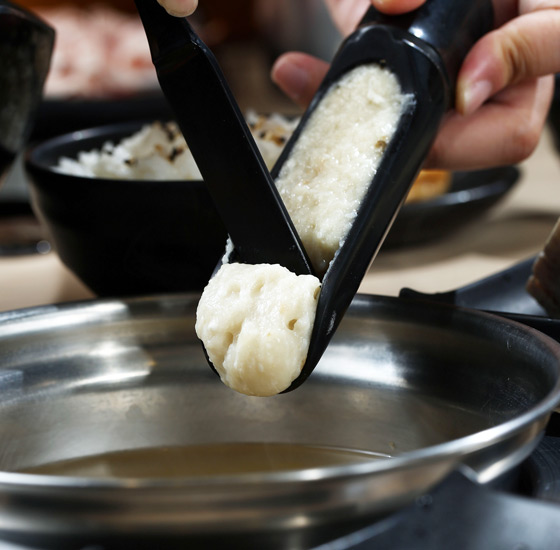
x: 204, y: 460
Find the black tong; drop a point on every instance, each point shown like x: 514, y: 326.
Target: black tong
x: 222, y: 144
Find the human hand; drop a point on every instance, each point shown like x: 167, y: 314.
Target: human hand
x: 504, y: 87
x: 179, y: 8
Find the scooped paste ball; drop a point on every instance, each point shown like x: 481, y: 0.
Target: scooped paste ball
x: 255, y: 322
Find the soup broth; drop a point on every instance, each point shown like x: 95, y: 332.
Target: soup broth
x: 204, y: 460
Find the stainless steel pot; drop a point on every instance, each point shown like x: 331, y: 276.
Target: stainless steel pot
x: 437, y: 387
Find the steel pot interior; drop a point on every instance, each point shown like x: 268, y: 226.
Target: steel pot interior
x: 435, y: 387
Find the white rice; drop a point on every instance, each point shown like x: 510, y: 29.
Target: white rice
x: 159, y: 152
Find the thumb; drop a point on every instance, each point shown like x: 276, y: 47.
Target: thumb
x: 525, y: 47
x: 179, y: 8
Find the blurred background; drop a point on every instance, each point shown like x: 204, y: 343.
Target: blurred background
x: 101, y: 73
x: 101, y: 68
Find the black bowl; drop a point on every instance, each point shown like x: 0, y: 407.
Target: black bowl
x: 124, y: 237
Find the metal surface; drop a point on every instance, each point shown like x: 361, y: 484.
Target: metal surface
x: 437, y: 387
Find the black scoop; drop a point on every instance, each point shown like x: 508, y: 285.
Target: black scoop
x: 424, y: 49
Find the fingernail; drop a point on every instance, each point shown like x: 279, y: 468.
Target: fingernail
x: 472, y: 96
x: 397, y: 8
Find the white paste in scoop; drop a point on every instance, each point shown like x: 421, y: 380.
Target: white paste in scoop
x: 330, y: 168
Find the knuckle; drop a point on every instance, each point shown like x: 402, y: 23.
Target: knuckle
x: 524, y: 140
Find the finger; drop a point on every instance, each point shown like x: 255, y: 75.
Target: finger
x: 392, y: 7
x: 503, y: 131
x: 347, y: 13
x: 179, y: 8
x: 298, y: 75
x: 526, y: 47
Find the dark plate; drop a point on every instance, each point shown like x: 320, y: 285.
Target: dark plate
x: 471, y: 195
x: 503, y: 293
x: 20, y: 231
